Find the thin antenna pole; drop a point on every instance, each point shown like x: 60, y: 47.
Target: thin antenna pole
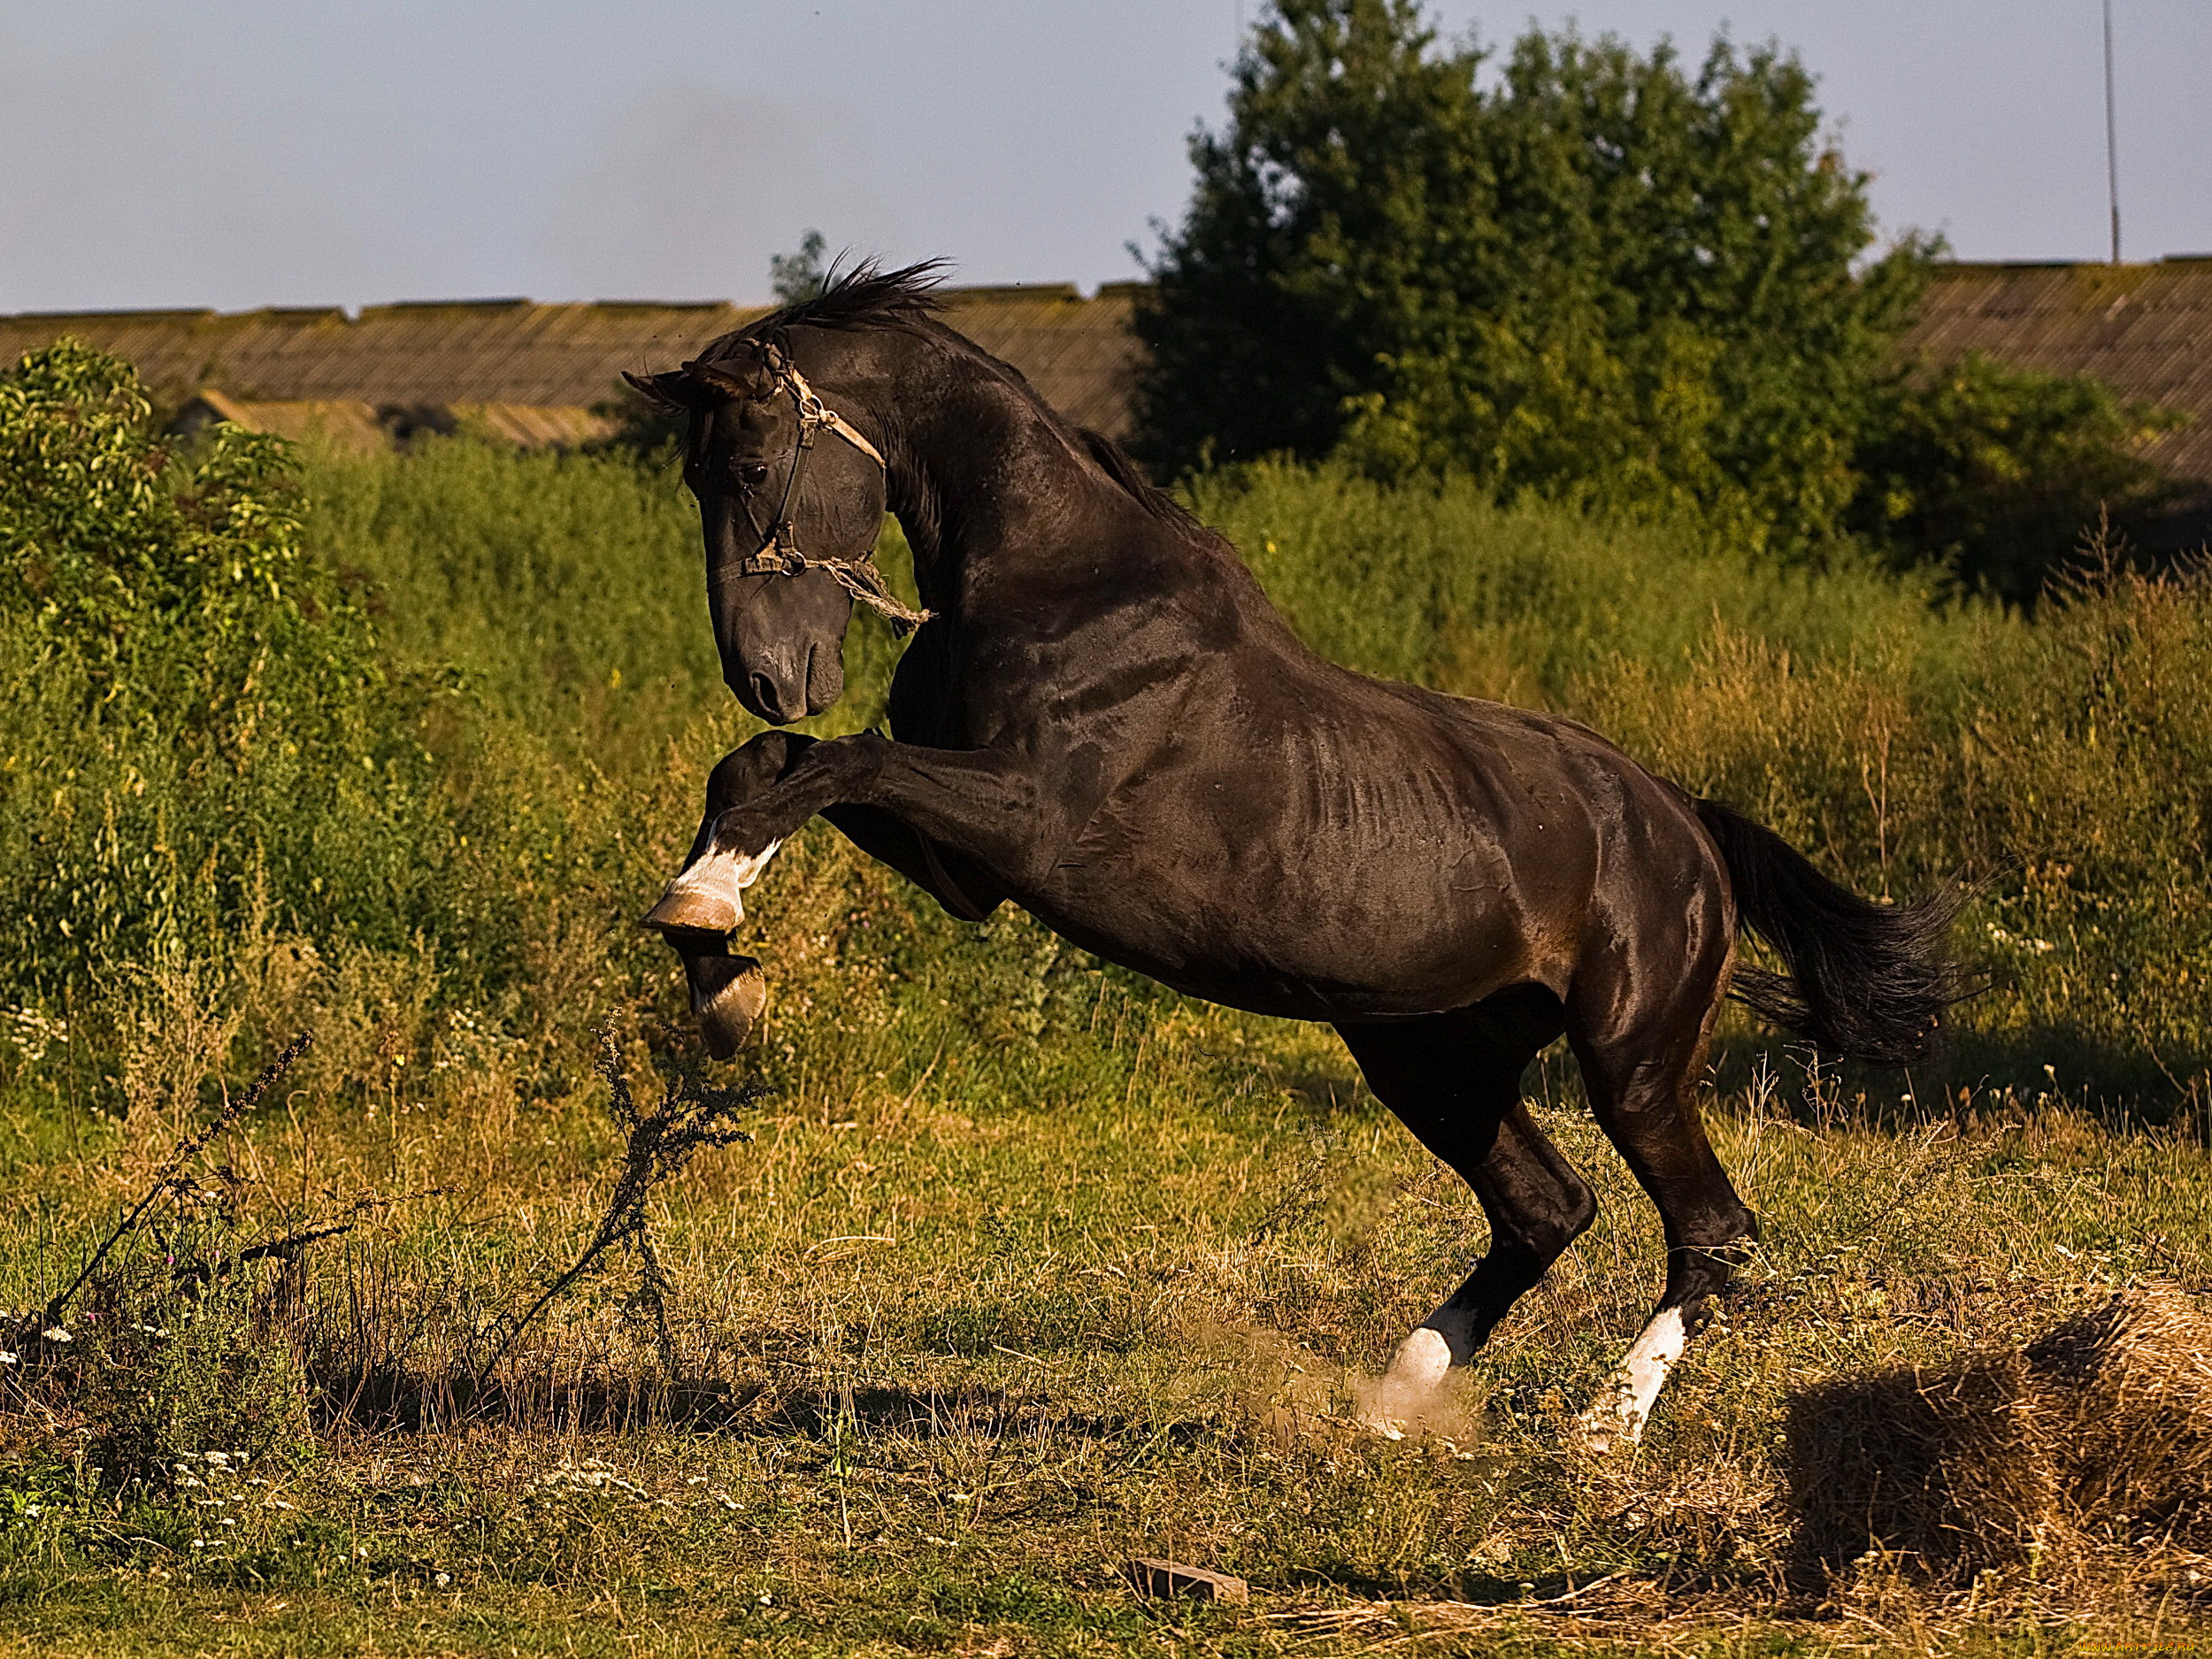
x: 2111, y: 142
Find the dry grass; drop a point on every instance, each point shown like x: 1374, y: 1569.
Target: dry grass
x: 1031, y: 1269
x: 957, y: 1335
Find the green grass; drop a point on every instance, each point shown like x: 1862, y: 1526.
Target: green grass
x: 1031, y: 1266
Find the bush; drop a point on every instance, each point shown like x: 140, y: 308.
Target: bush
x: 210, y: 702
x: 1991, y: 474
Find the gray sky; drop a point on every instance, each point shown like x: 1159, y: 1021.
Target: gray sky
x: 250, y: 152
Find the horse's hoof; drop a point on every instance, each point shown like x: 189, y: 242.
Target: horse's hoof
x: 686, y: 910
x: 728, y: 996
x: 1411, y: 1392
x: 1419, y: 1366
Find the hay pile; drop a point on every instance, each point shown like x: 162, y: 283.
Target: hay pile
x: 2096, y: 1437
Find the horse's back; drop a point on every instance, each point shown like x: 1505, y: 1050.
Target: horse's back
x: 1315, y: 842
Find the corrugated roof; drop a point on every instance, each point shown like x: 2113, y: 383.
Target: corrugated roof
x: 2145, y: 329
x: 1079, y: 354
x: 497, y: 357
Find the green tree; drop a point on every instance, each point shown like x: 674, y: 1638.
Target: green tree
x: 1605, y: 280
x: 799, y: 276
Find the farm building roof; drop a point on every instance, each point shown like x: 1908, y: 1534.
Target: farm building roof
x: 537, y: 373
x: 532, y: 372
x: 2145, y: 329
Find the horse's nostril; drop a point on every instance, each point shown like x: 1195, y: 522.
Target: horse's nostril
x: 764, y: 699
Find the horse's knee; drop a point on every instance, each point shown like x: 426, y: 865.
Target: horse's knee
x: 1540, y: 1237
x: 1541, y: 1226
x: 751, y: 770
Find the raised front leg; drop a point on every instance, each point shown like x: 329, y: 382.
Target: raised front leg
x: 913, y: 809
x: 728, y: 992
x: 995, y: 811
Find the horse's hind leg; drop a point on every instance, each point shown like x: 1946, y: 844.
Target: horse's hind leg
x: 1642, y: 1058
x: 1454, y: 1080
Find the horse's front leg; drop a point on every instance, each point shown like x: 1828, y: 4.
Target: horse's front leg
x: 728, y: 991
x: 991, y: 808
x: 994, y: 809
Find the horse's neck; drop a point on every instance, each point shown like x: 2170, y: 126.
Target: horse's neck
x: 984, y: 483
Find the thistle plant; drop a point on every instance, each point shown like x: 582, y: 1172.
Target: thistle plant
x: 657, y: 1145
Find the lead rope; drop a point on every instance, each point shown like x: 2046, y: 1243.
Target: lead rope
x: 780, y: 554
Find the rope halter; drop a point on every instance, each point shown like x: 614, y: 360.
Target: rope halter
x: 779, y: 553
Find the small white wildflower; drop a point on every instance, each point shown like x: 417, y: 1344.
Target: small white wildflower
x: 443, y: 1580
x: 58, y: 1335
x: 7, y: 1358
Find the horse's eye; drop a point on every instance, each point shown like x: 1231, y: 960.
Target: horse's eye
x: 750, y: 474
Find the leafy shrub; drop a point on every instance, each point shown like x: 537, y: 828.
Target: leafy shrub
x: 1993, y: 473
x: 192, y: 698
x: 178, y: 581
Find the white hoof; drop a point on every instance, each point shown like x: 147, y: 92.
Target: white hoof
x: 1618, y: 1415
x: 1421, y: 1361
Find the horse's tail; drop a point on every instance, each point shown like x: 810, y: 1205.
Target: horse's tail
x: 1864, y: 979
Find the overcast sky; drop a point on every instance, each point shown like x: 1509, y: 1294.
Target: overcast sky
x: 250, y: 152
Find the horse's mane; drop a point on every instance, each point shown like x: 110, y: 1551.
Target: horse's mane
x: 865, y: 297
x: 868, y: 296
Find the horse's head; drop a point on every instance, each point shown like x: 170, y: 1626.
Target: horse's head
x: 791, y: 498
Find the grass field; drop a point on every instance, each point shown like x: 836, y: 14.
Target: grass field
x: 1030, y: 1267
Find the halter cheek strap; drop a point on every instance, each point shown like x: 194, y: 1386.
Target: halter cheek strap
x: 779, y: 553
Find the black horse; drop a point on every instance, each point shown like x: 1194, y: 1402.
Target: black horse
x: 1103, y: 720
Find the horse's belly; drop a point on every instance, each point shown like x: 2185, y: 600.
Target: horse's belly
x: 1310, y: 948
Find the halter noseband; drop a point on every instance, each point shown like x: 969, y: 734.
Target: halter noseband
x: 779, y: 553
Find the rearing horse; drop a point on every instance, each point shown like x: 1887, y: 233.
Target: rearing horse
x: 1103, y: 720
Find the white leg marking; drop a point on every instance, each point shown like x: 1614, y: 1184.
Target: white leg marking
x: 722, y: 876
x: 1413, y: 1389
x: 1421, y: 1360
x: 1616, y: 1417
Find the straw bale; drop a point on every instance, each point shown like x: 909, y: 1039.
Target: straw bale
x: 2094, y: 1435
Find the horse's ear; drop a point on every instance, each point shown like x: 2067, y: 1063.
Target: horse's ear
x: 732, y: 378
x: 674, y: 390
